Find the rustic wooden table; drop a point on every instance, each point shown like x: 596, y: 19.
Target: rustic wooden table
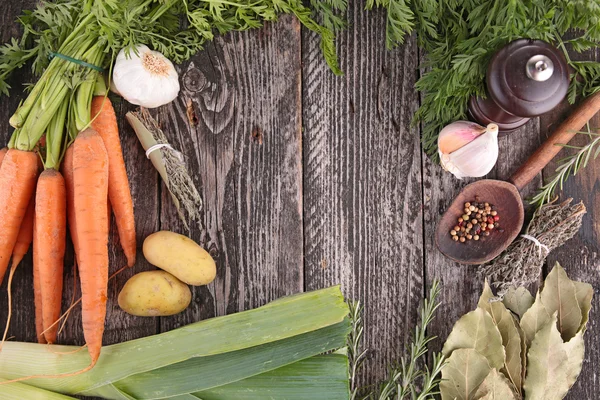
x: 311, y: 180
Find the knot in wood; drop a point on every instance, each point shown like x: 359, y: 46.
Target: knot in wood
x: 213, y: 251
x: 194, y: 80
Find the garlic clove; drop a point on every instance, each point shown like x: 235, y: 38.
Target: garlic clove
x: 146, y: 79
x: 474, y: 159
x: 457, y: 135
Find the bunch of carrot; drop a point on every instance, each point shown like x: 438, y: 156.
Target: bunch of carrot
x: 78, y: 185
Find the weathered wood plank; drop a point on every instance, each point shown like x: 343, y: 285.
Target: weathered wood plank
x: 362, y: 161
x: 580, y: 256
x: 244, y: 145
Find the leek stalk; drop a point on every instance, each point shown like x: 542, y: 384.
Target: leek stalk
x: 323, y: 377
x: 205, y: 355
x: 204, y: 373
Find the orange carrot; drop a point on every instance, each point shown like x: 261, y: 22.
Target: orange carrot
x: 104, y: 121
x: 49, y: 246
x: 3, y: 153
x: 108, y: 212
x: 18, y: 174
x: 37, y: 295
x: 90, y: 182
x: 67, y: 171
x: 21, y: 247
x: 25, y: 236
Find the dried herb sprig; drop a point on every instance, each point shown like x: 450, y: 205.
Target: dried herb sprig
x: 402, y: 381
x: 169, y: 164
x: 521, y: 263
x: 568, y: 166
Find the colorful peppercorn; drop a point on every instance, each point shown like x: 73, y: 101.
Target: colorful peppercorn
x: 477, y: 221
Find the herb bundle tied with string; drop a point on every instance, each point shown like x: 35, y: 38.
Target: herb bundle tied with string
x: 521, y: 263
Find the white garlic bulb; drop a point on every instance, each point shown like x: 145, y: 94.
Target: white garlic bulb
x: 146, y: 79
x: 467, y: 149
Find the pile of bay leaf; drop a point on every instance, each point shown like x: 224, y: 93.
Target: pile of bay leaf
x: 519, y: 348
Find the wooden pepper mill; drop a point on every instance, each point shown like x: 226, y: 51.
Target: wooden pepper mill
x: 524, y: 79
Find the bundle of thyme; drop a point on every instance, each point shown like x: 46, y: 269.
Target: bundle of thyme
x: 406, y: 380
x: 460, y: 37
x: 170, y: 165
x: 521, y: 263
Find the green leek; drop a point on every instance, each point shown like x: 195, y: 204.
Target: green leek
x: 201, y: 357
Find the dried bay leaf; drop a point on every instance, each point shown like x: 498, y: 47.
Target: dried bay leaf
x: 552, y: 365
x: 575, y: 349
x: 523, y: 351
x: 534, y: 319
x: 495, y: 387
x: 584, y: 293
x: 511, y: 339
x: 559, y: 296
x: 518, y: 300
x: 463, y: 374
x: 476, y: 330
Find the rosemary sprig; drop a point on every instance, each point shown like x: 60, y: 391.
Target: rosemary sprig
x: 402, y: 381
x: 356, y: 355
x: 568, y: 166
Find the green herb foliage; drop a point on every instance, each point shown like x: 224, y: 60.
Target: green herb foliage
x: 176, y: 28
x: 460, y: 36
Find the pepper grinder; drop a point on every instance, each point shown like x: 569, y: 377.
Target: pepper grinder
x: 526, y: 78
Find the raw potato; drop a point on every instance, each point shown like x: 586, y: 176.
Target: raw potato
x: 180, y: 256
x: 154, y: 294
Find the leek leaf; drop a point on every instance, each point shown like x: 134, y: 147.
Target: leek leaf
x: 20, y: 391
x: 203, y: 373
x: 317, y: 378
x: 284, y: 318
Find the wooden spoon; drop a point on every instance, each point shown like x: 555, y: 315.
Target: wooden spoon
x: 505, y: 195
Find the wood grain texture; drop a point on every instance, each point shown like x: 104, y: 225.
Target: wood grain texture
x: 310, y: 180
x: 362, y: 182
x: 244, y: 143
x: 581, y: 255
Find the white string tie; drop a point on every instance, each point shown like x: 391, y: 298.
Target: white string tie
x: 159, y: 146
x: 539, y: 245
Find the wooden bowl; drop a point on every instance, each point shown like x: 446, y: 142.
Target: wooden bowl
x: 507, y: 200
